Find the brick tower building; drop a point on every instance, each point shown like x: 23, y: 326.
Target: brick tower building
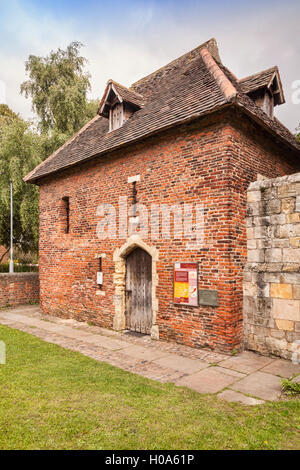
x: 185, y: 141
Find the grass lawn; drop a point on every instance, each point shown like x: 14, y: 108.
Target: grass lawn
x: 51, y: 398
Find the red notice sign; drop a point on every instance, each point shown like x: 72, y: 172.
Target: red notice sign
x: 186, y: 283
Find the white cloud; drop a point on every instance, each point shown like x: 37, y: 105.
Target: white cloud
x: 147, y: 37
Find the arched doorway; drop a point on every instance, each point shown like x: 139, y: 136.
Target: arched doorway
x: 120, y: 255
x: 138, y: 291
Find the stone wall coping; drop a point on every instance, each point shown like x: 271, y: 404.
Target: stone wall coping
x: 268, y: 183
x: 11, y: 275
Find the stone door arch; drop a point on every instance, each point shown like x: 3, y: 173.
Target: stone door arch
x: 119, y: 258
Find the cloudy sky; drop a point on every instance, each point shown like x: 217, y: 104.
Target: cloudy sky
x: 128, y: 39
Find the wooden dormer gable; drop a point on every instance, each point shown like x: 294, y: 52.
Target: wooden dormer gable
x: 118, y: 104
x: 265, y: 89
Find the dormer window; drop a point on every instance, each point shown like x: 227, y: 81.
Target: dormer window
x: 265, y: 89
x: 116, y: 116
x: 119, y: 104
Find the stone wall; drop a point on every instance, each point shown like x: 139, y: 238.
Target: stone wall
x: 272, y: 273
x: 18, y: 289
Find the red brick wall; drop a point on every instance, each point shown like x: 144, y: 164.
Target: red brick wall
x: 2, y: 251
x: 18, y: 288
x: 212, y: 162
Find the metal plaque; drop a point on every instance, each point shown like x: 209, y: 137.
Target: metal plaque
x: 208, y: 297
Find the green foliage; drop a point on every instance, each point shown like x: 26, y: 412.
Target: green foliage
x: 58, y: 88
x: 18, y: 268
x: 53, y: 398
x: 20, y: 152
x: 6, y: 115
x: 290, y: 388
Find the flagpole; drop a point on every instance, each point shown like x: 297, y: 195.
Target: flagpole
x: 11, y: 261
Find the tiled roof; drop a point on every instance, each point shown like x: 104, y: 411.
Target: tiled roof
x: 187, y: 88
x: 258, y: 80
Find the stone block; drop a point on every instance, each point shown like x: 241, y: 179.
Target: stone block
x: 248, y: 306
x: 290, y: 267
x: 261, y: 231
x: 247, y: 276
x: 295, y: 242
x: 250, y: 233
x: 286, y: 309
x: 262, y: 221
x: 279, y: 243
x: 290, y: 336
x: 290, y: 277
x: 287, y: 190
x: 297, y: 205
x: 273, y: 207
x: 256, y: 256
x: 278, y: 334
x: 293, y: 218
x: 288, y: 231
x: 291, y: 255
x: 296, y: 292
x: 273, y: 255
x: 272, y: 277
x: 253, y: 196
x: 250, y: 289
x: 251, y: 244
x: 281, y: 291
x: 288, y: 205
x: 263, y: 243
x: 255, y: 209
x: 249, y: 221
x: 286, y: 325
x: 277, y: 219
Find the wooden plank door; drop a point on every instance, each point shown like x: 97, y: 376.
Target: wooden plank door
x: 139, y: 291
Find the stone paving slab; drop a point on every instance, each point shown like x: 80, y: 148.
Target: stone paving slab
x: 145, y: 354
x: 247, y: 362
x: 179, y: 363
x: 282, y: 368
x: 260, y: 385
x: 105, y: 342
x: 236, y: 397
x: 233, y: 373
x: 207, y: 380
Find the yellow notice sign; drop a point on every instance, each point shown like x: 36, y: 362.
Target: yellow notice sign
x: 181, y: 290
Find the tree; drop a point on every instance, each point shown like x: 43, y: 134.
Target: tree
x: 20, y: 150
x: 6, y: 115
x: 58, y: 88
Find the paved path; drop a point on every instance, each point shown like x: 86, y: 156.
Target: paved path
x: 247, y: 378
